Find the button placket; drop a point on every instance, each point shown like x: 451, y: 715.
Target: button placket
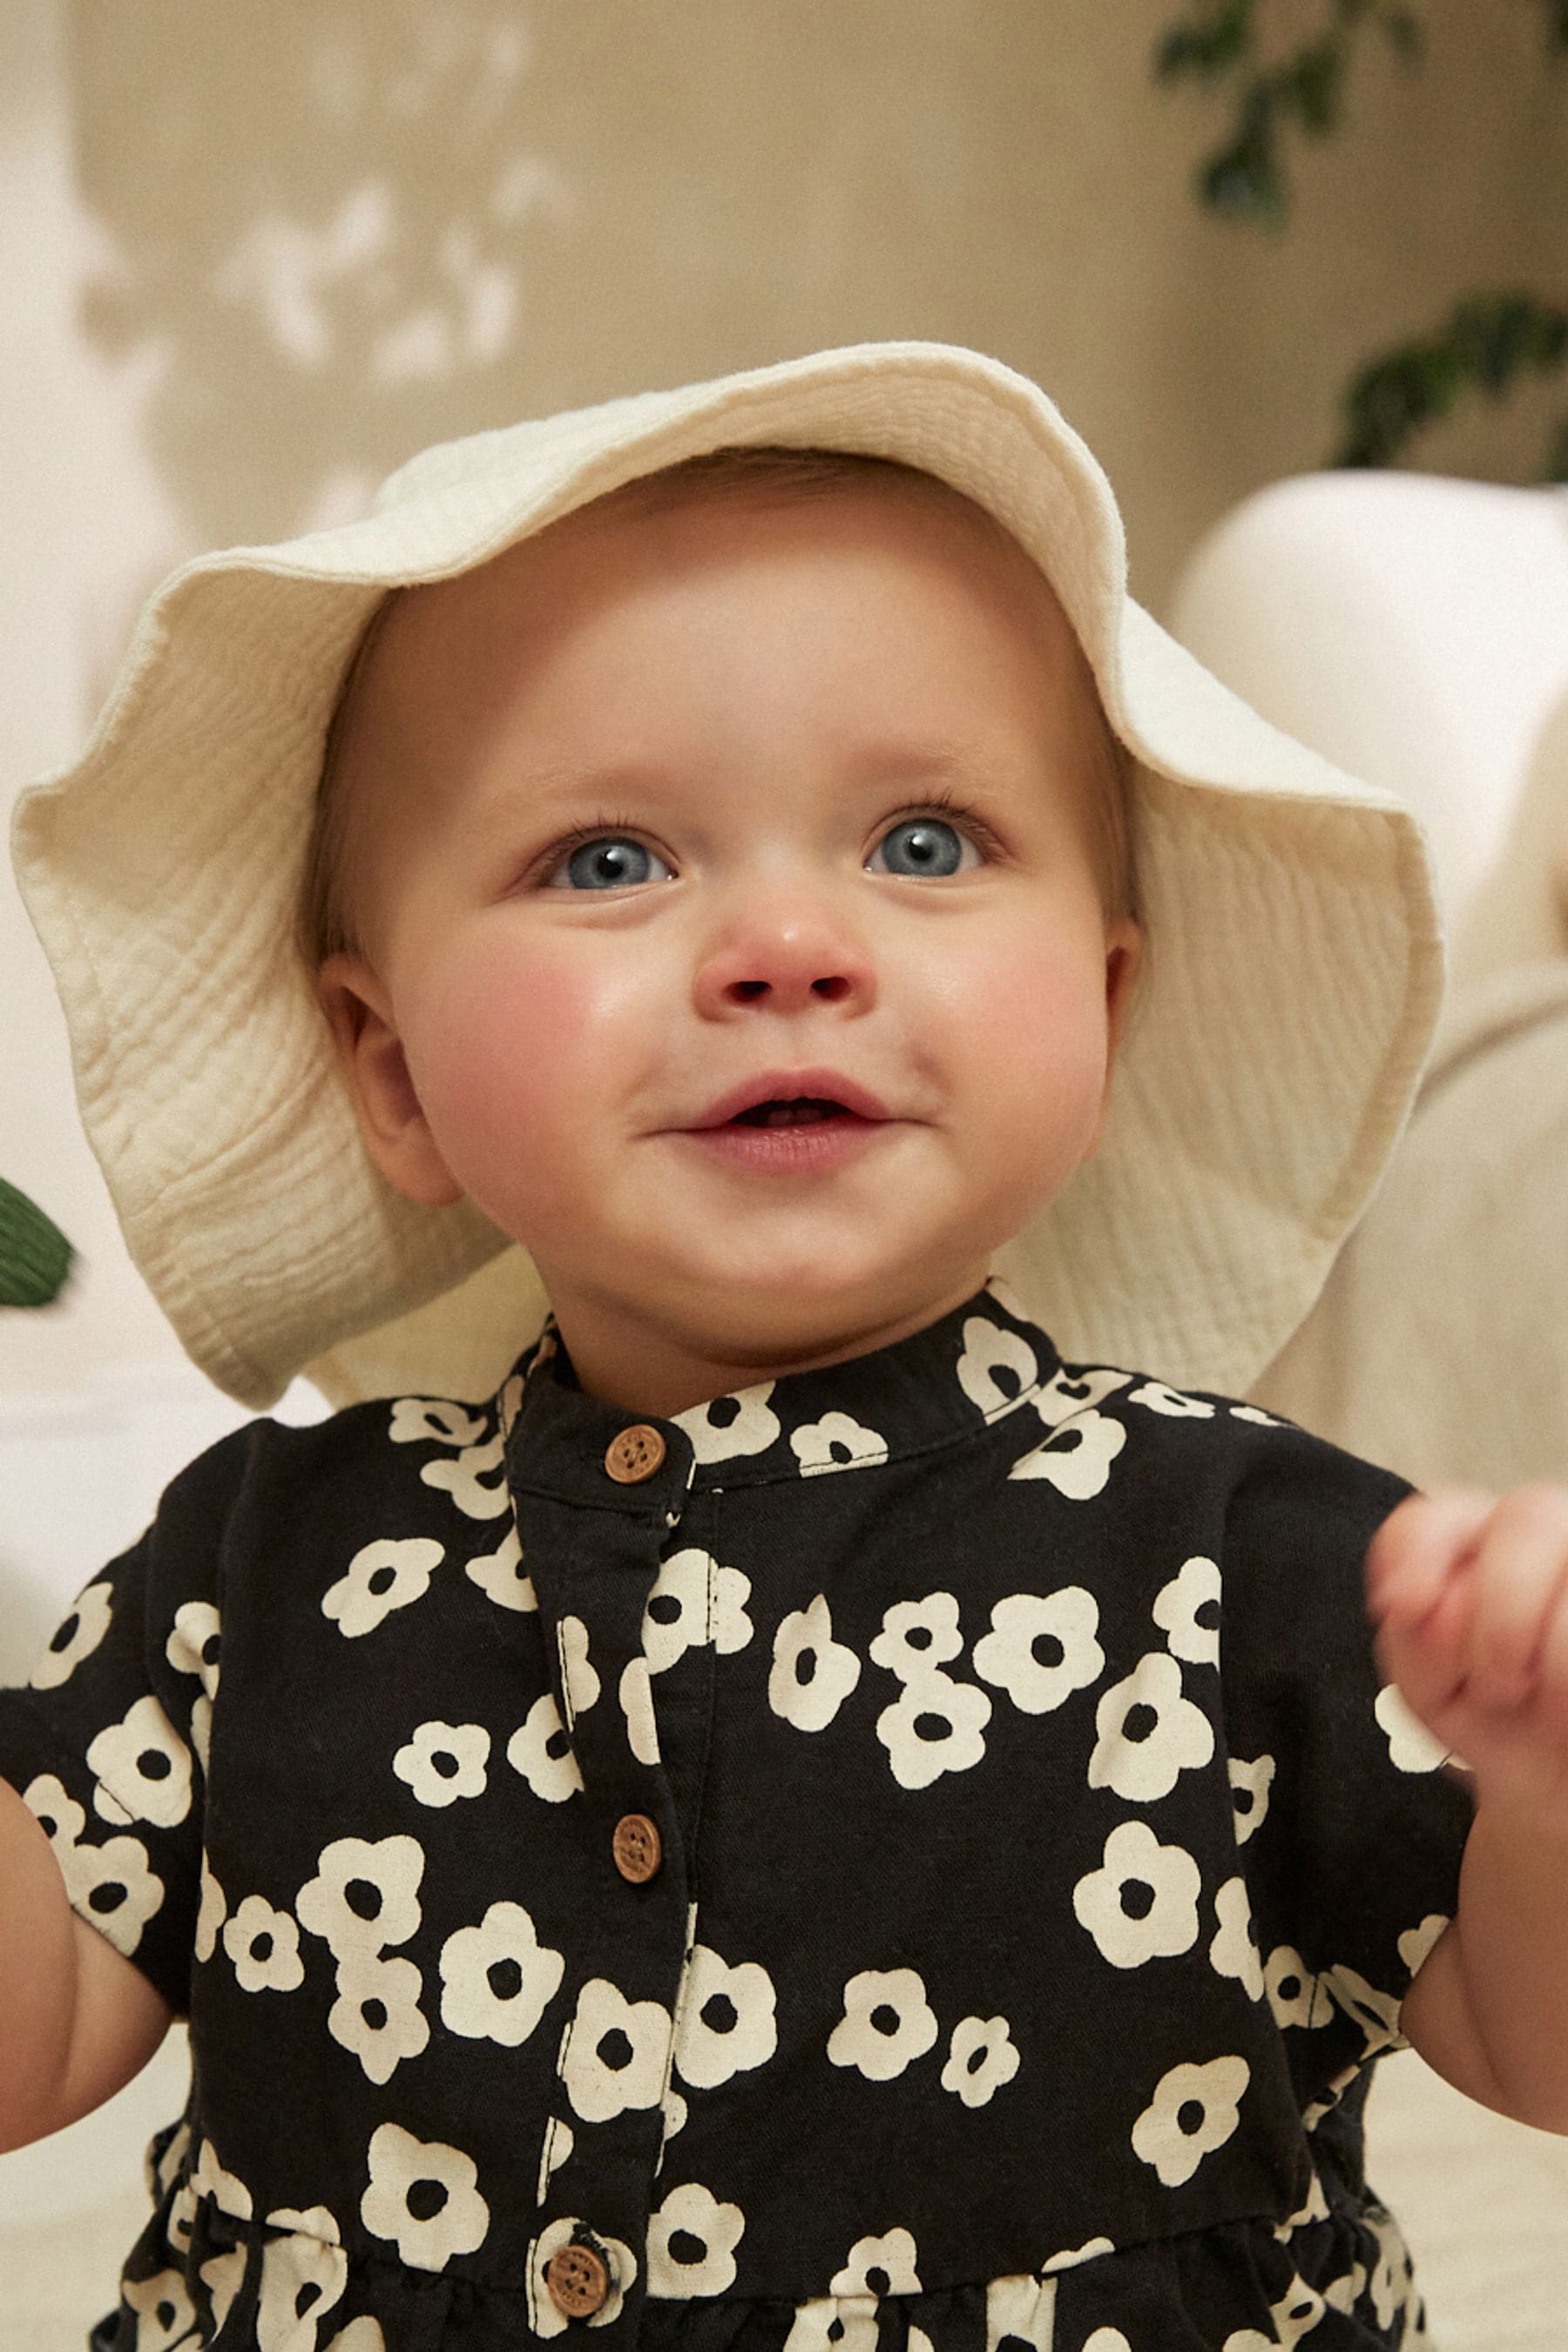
x: 594, y: 1540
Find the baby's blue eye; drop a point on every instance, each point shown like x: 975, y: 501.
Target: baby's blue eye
x: 921, y: 845
x: 608, y: 863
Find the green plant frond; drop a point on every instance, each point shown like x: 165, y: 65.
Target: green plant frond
x: 1219, y: 40
x: 34, y: 1256
x: 1556, y: 14
x: 1244, y: 178
x: 1487, y: 342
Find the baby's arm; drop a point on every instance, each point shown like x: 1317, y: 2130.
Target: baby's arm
x: 77, y: 2020
x: 1470, y: 1598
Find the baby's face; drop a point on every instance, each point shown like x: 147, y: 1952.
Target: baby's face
x: 678, y: 811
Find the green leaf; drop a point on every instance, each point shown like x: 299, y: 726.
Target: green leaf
x: 34, y: 1256
x: 1209, y: 48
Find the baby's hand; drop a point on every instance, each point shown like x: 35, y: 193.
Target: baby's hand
x: 1469, y: 1596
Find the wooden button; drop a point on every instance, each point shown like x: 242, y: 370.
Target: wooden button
x: 577, y: 2280
x: 634, y: 1454
x: 638, y: 1849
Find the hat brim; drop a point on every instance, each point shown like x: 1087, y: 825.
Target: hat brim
x: 1297, y: 947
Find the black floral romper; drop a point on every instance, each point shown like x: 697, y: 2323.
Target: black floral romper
x: 911, y: 1857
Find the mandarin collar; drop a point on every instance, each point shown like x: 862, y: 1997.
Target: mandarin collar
x: 950, y: 1380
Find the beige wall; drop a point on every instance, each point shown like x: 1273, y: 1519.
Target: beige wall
x: 313, y: 234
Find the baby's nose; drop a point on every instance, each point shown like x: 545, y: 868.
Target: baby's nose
x: 786, y: 962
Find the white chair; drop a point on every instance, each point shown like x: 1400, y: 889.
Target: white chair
x: 1415, y: 632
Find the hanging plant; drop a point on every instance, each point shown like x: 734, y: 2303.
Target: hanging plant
x: 1489, y: 340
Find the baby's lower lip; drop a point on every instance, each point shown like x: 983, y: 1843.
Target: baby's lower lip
x: 799, y: 1149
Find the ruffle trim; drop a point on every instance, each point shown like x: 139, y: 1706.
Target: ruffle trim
x: 202, y: 2280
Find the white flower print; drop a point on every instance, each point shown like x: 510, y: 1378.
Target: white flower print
x: 980, y: 2057
x: 75, y: 1638
x: 1293, y: 2316
x: 917, y: 1635
x: 382, y: 1576
x: 839, y: 2323
x: 1066, y: 1394
x: 59, y: 1815
x: 691, y: 2242
x: 422, y: 2196
x: 1234, y: 1951
x: 418, y: 1420
x: 725, y: 2019
x: 229, y: 2193
x: 500, y: 1575
x: 1392, y: 2278
x: 884, y: 2266
x: 617, y: 2052
x: 835, y: 1443
x: 211, y: 1914
x: 1107, y: 2340
x: 315, y: 2220
x: 364, y: 1896
x: 1071, y: 2256
x: 1160, y: 1919
x: 164, y: 2312
x: 694, y: 1600
x: 1009, y: 1655
x: 1075, y: 1458
x: 636, y: 1706
x: 116, y: 1885
x: 886, y: 2025
x: 264, y: 1945
x: 1377, y: 2013
x: 559, y: 2142
x: 144, y: 1766
x: 1411, y: 1747
x: 361, y: 2335
x: 195, y: 1644
x: 475, y: 1479
x: 182, y: 2219
x: 302, y: 2279
x: 579, y: 1681
x: 1171, y: 1402
x: 1021, y: 2307
x: 223, y: 2277
x: 989, y: 1351
x: 444, y: 1761
x: 1142, y: 1759
x: 1293, y: 1993
x: 541, y: 1751
x: 676, y: 2111
x: 1255, y: 1414
x: 1416, y: 1944
x: 730, y: 1426
x: 812, y: 1674
x: 1194, y: 1587
x: 543, y: 2316
x: 376, y: 2014
x: 1195, y: 2110
x: 937, y: 1726
x: 1250, y: 1787
x: 497, y: 1978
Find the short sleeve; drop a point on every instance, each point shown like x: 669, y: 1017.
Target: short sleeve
x: 1349, y: 1823
x: 107, y: 1741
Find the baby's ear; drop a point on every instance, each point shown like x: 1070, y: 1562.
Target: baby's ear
x: 390, y: 1117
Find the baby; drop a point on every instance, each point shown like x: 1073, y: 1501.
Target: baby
x: 804, y: 1814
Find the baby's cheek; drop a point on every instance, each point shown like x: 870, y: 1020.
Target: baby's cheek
x: 503, y: 1065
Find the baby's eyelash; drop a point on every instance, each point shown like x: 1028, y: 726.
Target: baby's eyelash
x: 948, y: 806
x: 559, y: 850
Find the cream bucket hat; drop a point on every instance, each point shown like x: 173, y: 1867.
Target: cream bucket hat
x: 1296, y: 972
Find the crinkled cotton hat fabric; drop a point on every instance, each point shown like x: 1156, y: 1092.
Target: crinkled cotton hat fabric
x: 1295, y: 981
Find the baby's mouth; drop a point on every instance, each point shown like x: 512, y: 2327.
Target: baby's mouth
x: 800, y: 1110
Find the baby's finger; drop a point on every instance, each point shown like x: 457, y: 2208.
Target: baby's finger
x: 1429, y: 1658
x: 1520, y: 1572
x: 1414, y: 1552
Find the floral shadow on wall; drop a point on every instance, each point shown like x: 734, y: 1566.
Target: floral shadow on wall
x: 306, y: 239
